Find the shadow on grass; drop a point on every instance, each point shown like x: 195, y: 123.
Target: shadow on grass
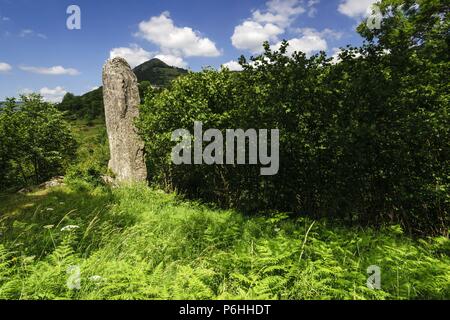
x: 34, y: 224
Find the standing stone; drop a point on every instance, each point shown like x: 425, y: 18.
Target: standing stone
x: 121, y: 100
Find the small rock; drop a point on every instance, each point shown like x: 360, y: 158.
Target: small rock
x: 54, y: 182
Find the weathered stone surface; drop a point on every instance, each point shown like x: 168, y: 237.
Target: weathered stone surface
x: 121, y: 100
x: 54, y: 182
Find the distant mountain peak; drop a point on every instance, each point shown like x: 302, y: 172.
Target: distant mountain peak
x: 157, y: 72
x: 155, y: 62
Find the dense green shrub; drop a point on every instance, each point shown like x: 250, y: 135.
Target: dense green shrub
x: 365, y: 139
x: 36, y: 142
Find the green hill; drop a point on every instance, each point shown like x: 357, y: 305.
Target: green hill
x: 157, y: 73
x: 90, y: 105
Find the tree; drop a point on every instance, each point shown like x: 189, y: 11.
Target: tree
x: 36, y: 142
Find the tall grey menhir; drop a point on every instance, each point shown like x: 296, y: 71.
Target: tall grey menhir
x: 121, y: 100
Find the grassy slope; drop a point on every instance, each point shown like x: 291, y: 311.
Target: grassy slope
x: 139, y: 243
x: 92, y: 140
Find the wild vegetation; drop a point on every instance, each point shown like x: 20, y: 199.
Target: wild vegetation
x: 364, y: 181
x: 36, y: 143
x: 364, y: 140
x: 139, y: 243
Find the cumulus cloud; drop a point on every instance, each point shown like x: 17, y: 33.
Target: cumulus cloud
x: 310, y: 41
x: 177, y: 41
x: 279, y: 12
x: 336, y: 55
x: 134, y: 55
x: 4, y: 67
x: 270, y: 23
x: 54, y: 95
x: 172, y: 60
x: 356, y: 8
x: 174, y: 43
x: 54, y: 71
x: 307, y: 44
x: 250, y: 35
x: 232, y: 66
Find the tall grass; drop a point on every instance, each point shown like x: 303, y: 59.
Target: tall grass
x: 137, y: 243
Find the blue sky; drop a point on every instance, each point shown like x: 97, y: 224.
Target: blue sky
x: 38, y: 53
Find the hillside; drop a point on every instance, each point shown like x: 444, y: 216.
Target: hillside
x: 136, y: 242
x: 139, y: 243
x: 90, y: 105
x: 157, y: 73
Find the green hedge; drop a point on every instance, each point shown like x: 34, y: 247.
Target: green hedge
x: 365, y: 139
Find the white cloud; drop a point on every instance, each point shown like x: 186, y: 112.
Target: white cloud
x: 54, y: 95
x: 31, y: 33
x: 2, y: 18
x: 312, y: 10
x: 310, y: 41
x: 25, y: 91
x: 232, y: 66
x: 337, y: 52
x: 250, y: 35
x: 25, y: 33
x: 56, y: 70
x: 333, y: 34
x: 172, y: 60
x: 174, y: 40
x: 306, y: 44
x: 336, y: 55
x: 356, y: 8
x: 325, y: 33
x: 4, y: 67
x: 279, y: 12
x: 134, y: 55
x: 174, y: 43
x: 270, y: 23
